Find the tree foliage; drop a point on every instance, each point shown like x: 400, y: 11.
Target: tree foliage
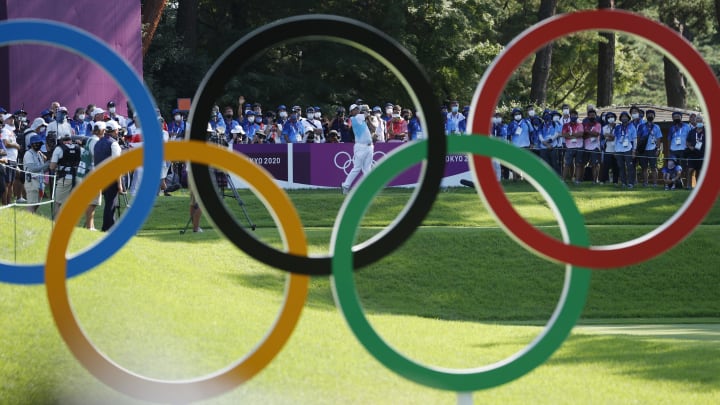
x: 454, y: 41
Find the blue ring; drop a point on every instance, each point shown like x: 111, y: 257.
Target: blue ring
x: 87, y: 45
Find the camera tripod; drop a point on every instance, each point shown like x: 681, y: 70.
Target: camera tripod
x: 222, y: 189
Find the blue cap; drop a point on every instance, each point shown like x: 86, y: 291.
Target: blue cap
x: 249, y: 112
x: 36, y: 139
x: 516, y: 111
x: 282, y: 107
x: 377, y: 108
x: 3, y: 111
x: 43, y: 113
x: 317, y: 109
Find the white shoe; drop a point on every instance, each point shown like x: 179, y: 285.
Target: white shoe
x: 21, y: 200
x: 345, y: 190
x: 199, y: 230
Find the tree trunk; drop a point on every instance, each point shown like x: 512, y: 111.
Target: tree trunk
x: 606, y: 62
x: 717, y: 11
x: 151, y: 13
x: 675, y: 86
x: 543, y: 59
x: 186, y: 23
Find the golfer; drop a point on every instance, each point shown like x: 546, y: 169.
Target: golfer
x: 363, y: 149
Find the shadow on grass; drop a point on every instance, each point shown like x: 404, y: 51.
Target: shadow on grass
x: 647, y: 358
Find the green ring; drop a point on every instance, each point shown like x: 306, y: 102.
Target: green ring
x: 566, y: 314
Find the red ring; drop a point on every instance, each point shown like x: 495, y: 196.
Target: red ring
x: 491, y: 87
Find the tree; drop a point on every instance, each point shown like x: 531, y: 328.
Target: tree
x: 186, y: 23
x: 606, y: 61
x: 151, y: 12
x: 543, y: 59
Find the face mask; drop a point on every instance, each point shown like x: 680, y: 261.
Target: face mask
x: 378, y: 113
x: 566, y: 111
x: 556, y: 118
x: 591, y: 119
x: 517, y: 117
x: 36, y: 146
x: 318, y: 115
x: 81, y: 117
x: 61, y: 117
x: 112, y: 110
x: 624, y: 120
x: 283, y: 114
x: 406, y: 117
x: 293, y: 118
x: 635, y: 116
x: 677, y: 120
x: 23, y: 119
x: 573, y: 119
x: 611, y: 120
x: 388, y: 111
x: 531, y: 113
x: 496, y: 120
x: 700, y: 125
x: 178, y: 117
x: 455, y: 109
x: 650, y: 118
x: 228, y: 116
x: 396, y: 115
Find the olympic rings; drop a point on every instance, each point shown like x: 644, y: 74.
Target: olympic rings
x: 364, y: 38
x: 577, y: 281
x: 87, y: 45
x: 175, y: 391
x: 635, y: 251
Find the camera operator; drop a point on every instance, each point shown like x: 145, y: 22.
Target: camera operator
x: 107, y: 148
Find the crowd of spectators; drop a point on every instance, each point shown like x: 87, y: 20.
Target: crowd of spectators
x: 622, y: 147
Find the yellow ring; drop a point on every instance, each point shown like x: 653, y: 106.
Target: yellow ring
x: 145, y: 388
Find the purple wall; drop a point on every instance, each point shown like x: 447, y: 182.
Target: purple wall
x: 327, y: 165
x: 36, y: 75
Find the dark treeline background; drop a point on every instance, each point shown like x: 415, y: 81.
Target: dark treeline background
x: 455, y: 42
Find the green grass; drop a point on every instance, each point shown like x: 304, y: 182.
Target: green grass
x: 458, y: 293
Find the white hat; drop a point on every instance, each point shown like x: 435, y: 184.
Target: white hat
x: 112, y: 125
x: 237, y: 129
x: 99, y: 125
x: 352, y: 107
x: 37, y: 123
x: 6, y: 116
x: 97, y: 111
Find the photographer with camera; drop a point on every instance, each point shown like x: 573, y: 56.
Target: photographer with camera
x: 65, y: 161
x: 35, y: 165
x: 107, y: 148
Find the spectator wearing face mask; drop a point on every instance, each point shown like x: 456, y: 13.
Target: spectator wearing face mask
x: 292, y: 131
x: 591, y: 145
x: 78, y: 122
x: 58, y: 129
x: 342, y: 125
x: 696, y: 141
x: 609, y: 160
x: 282, y: 115
x: 625, y: 149
x: 388, y: 116
x: 113, y: 114
x: 310, y: 123
x: 453, y: 119
x: 649, y: 139
x: 176, y: 126
x: 397, y: 128
x: 573, y: 133
x: 35, y: 166
x: 233, y: 125
x: 677, y: 137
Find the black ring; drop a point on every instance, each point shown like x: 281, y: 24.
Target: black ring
x: 369, y: 40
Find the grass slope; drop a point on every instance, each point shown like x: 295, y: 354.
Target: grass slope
x: 458, y: 293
